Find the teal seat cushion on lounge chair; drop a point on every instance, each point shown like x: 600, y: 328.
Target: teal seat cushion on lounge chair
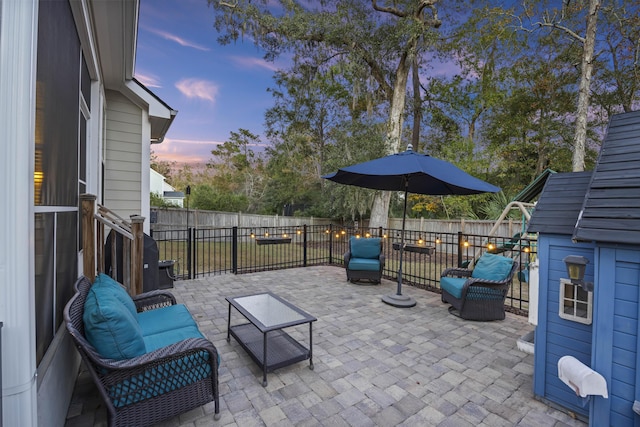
x: 109, y: 325
x: 453, y: 285
x: 492, y: 267
x: 364, y: 264
x: 365, y: 248
x: 164, y: 319
x: 165, y: 338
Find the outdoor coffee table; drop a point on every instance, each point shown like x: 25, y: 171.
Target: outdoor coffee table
x: 263, y: 337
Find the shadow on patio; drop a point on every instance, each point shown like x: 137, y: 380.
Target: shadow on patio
x: 374, y: 364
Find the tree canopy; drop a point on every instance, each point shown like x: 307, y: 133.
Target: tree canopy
x: 499, y: 91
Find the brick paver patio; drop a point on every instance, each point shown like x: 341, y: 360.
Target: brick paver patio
x: 375, y: 365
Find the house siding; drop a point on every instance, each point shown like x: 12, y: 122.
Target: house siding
x: 616, y: 352
x: 556, y: 337
x: 123, y: 169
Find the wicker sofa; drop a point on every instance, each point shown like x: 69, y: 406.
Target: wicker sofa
x: 479, y: 294
x: 364, y: 260
x: 172, y: 369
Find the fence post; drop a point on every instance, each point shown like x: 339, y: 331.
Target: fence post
x: 189, y: 253
x: 137, y: 253
x: 330, y: 233
x: 459, y: 249
x: 304, y: 245
x: 380, y: 233
x: 234, y: 251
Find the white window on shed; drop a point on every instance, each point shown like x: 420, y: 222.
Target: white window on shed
x: 576, y: 303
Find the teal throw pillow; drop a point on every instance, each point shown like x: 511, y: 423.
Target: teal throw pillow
x: 492, y: 267
x: 118, y: 291
x: 109, y: 325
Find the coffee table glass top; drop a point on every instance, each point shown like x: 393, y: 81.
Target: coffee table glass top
x: 270, y: 311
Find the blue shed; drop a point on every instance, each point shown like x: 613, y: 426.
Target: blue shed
x: 595, y: 215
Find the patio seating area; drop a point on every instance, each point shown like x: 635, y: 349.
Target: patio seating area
x: 374, y: 364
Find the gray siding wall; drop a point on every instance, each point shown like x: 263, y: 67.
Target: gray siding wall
x: 123, y: 175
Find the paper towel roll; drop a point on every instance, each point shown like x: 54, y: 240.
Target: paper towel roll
x: 581, y: 378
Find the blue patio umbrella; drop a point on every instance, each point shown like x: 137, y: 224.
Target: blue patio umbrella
x: 410, y: 172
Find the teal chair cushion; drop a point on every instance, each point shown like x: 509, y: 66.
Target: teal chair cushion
x: 118, y: 291
x: 492, y: 267
x: 172, y: 336
x: 364, y: 264
x: 453, y: 285
x: 164, y: 319
x: 365, y: 248
x: 109, y: 325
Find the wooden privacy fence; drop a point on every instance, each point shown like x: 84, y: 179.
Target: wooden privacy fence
x: 96, y: 222
x: 173, y: 218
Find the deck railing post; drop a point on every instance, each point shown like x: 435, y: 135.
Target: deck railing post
x: 88, y: 209
x: 234, y: 251
x: 137, y: 254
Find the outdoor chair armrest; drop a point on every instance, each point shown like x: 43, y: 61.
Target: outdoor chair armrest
x: 162, y: 355
x: 484, y: 283
x: 347, y: 257
x: 457, y: 272
x: 153, y: 299
x: 382, y: 261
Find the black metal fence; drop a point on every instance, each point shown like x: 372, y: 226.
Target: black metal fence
x: 200, y: 252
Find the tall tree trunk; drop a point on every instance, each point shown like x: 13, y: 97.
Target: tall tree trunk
x: 417, y: 105
x: 380, y: 208
x: 580, y: 136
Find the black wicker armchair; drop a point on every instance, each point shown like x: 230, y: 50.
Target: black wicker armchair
x: 478, y: 298
x: 152, y: 387
x: 364, y: 260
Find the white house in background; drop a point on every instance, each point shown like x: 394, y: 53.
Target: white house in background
x: 158, y: 185
x: 73, y: 120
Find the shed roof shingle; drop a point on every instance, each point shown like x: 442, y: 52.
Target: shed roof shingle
x: 559, y: 205
x: 611, y: 209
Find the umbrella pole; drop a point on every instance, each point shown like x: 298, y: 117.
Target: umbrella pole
x: 404, y: 220
x: 399, y: 300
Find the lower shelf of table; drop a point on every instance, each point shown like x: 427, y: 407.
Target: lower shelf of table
x: 282, y: 349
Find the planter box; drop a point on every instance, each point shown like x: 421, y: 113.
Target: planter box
x: 420, y: 249
x: 272, y: 240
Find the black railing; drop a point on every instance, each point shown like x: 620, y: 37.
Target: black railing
x: 200, y: 252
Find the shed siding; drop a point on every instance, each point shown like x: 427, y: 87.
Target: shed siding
x: 616, y: 350
x: 123, y: 174
x: 557, y: 337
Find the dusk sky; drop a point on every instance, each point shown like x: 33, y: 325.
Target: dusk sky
x: 216, y: 89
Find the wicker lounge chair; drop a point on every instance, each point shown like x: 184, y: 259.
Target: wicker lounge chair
x: 479, y: 294
x: 154, y: 386
x: 364, y: 260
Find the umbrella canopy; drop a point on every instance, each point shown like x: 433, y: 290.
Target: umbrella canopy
x: 413, y: 172
x: 410, y: 172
